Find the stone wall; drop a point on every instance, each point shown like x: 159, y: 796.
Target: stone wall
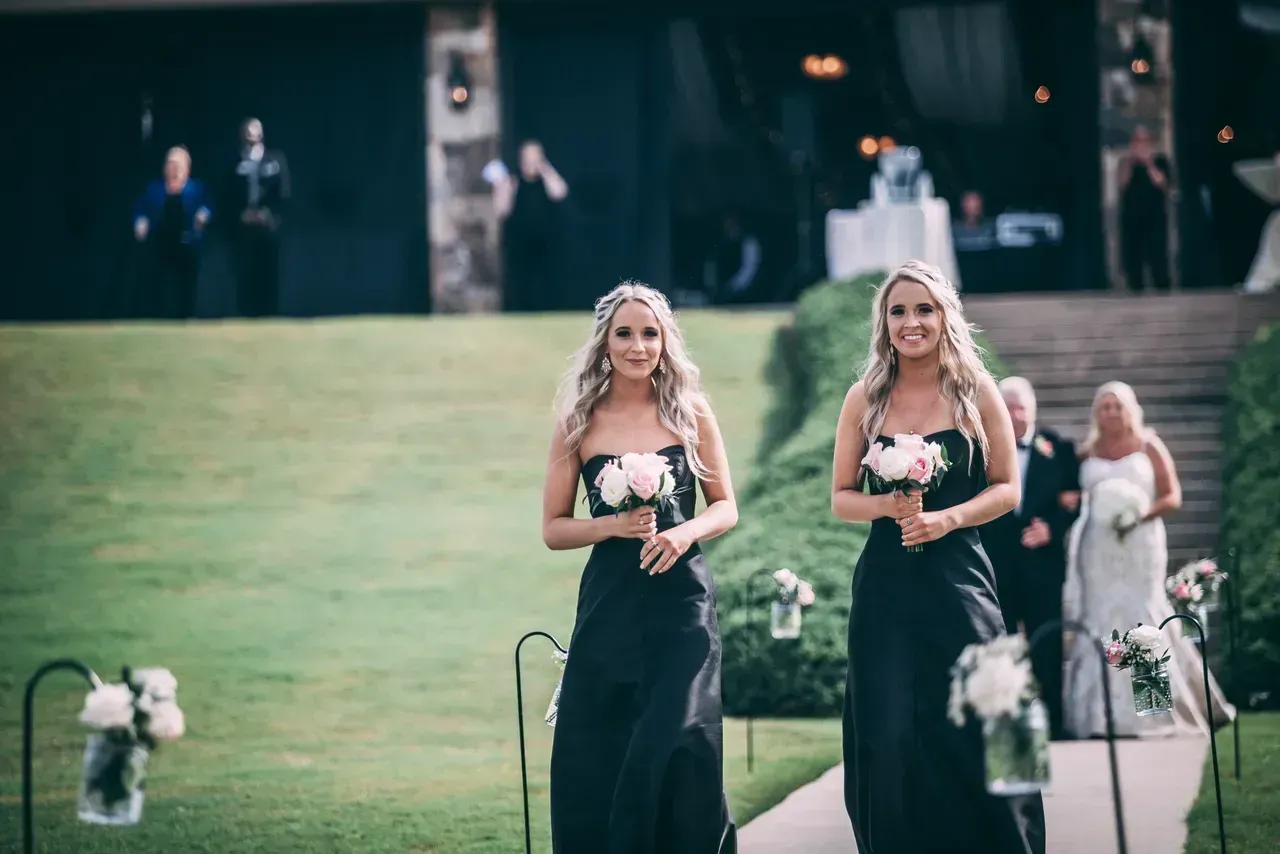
x: 1125, y: 103
x: 463, y: 231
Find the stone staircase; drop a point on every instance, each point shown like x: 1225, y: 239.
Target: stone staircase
x: 1175, y: 350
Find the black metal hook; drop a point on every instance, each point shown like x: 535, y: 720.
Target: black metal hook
x: 746, y: 595
x: 1232, y: 582
x: 1208, y: 707
x: 524, y: 771
x: 28, y: 724
x: 1036, y: 637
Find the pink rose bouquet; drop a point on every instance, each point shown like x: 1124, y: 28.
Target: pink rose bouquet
x: 909, y: 463
x: 636, y: 480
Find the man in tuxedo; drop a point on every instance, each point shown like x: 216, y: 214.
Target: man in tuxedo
x: 260, y: 188
x: 1027, y: 547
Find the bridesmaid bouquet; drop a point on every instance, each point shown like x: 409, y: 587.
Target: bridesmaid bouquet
x: 909, y: 463
x: 636, y: 480
x: 1120, y: 501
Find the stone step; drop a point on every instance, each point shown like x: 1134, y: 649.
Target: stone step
x: 1050, y: 371
x: 1074, y: 424
x: 1041, y: 365
x: 1165, y: 348
x: 1149, y: 393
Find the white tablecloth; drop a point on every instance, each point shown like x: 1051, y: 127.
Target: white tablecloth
x: 873, y: 239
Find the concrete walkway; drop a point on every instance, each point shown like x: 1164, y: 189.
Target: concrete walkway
x: 1159, y: 779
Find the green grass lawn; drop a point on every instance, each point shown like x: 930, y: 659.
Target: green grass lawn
x: 330, y: 533
x: 1251, y: 805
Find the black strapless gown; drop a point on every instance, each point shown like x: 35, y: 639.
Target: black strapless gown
x: 637, y: 755
x: 914, y: 782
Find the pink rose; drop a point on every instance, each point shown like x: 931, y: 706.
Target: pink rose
x: 645, y: 482
x: 608, y: 467
x: 1115, y: 653
x: 1207, y: 567
x: 921, y: 470
x: 872, y: 459
x: 912, y: 443
x: 1182, y: 591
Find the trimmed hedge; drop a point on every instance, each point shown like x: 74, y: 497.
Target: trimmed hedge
x: 786, y: 518
x: 1250, y: 498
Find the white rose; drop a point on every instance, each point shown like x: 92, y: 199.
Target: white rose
x: 613, y: 486
x: 108, y: 707
x: 166, y: 721
x: 894, y: 464
x: 934, y: 452
x: 909, y: 442
x: 804, y: 594
x: 996, y: 687
x: 786, y: 579
x: 1144, y: 637
x: 158, y: 682
x: 1197, y: 593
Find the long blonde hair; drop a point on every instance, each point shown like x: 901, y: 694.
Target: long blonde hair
x: 960, y: 367
x: 677, y: 386
x: 1128, y: 399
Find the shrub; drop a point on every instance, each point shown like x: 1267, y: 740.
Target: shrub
x: 1251, y: 494
x: 786, y: 516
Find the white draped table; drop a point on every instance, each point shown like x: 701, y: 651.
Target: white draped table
x: 878, y: 238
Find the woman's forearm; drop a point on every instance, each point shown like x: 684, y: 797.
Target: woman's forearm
x: 854, y: 505
x: 992, y: 503
x: 564, y: 533
x: 719, y: 518
x: 1163, y: 506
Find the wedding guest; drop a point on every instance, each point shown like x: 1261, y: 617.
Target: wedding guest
x: 1028, y: 546
x: 1145, y: 179
x: 528, y: 205
x: 169, y: 219
x: 261, y: 188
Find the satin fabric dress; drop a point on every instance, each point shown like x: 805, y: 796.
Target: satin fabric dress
x: 637, y: 755
x: 915, y: 783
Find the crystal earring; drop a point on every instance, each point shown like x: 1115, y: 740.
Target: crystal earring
x: 605, y: 365
x: 662, y: 366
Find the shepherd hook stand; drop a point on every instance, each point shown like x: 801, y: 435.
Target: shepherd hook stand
x: 1213, y: 738
x: 751, y: 738
x: 1233, y: 647
x: 28, y: 724
x: 1038, y: 635
x: 524, y: 771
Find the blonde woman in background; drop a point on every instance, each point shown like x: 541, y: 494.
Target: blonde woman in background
x: 636, y: 763
x: 1115, y: 579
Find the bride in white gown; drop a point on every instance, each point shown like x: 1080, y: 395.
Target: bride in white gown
x: 1116, y: 582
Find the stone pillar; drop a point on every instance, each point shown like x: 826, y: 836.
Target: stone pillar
x: 1125, y: 102
x: 463, y: 231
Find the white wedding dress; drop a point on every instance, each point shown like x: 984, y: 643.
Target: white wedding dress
x: 1114, y: 584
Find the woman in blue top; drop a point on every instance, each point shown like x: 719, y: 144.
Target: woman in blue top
x: 169, y: 220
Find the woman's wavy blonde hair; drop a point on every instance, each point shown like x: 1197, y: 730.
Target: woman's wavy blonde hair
x: 960, y: 367
x: 1128, y: 399
x: 678, y: 386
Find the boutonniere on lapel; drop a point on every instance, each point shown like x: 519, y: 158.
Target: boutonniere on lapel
x: 1043, y: 447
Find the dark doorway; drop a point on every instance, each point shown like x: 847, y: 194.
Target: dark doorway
x: 102, y: 96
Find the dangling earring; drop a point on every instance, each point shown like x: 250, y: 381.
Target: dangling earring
x: 662, y: 366
x: 605, y: 365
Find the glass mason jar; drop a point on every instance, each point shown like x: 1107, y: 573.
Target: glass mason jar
x: 1152, y: 694
x: 784, y: 620
x: 112, y: 780
x: 1017, y: 751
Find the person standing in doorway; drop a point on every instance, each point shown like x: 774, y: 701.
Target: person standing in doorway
x: 1145, y: 180
x: 527, y: 205
x: 169, y: 220
x: 260, y: 191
